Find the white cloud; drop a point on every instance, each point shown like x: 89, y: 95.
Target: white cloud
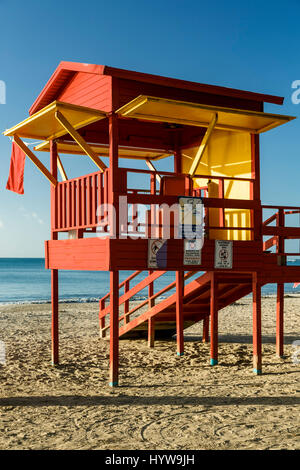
x: 1, y: 224
x: 32, y: 215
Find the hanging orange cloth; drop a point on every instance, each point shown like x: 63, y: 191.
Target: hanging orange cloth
x: 15, y: 180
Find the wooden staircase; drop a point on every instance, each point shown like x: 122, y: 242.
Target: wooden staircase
x: 196, y: 303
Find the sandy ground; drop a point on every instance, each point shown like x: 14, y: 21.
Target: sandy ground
x: 163, y: 401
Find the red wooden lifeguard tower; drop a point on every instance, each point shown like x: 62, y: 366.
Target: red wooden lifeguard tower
x: 213, y: 134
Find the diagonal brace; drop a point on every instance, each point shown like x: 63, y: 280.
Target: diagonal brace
x: 203, y: 145
x: 152, y: 167
x: 35, y: 160
x: 80, y: 141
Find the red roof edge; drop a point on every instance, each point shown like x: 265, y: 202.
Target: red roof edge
x: 66, y: 70
x: 178, y: 83
x: 58, y: 80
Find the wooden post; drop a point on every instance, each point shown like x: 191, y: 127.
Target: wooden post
x: 177, y: 161
x: 213, y: 320
x: 113, y: 198
x: 151, y: 332
x: 205, y: 333
x: 256, y: 287
x: 126, y: 303
x: 54, y: 272
x: 179, y: 312
x: 256, y: 214
x: 279, y: 319
x: 102, y: 320
x: 151, y: 325
x: 114, y: 328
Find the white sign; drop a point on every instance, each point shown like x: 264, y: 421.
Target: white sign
x: 154, y: 246
x: 192, y: 251
x: 223, y: 254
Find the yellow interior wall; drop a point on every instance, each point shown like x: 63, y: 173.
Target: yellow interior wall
x: 227, y: 154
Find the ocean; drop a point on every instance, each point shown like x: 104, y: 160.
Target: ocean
x: 25, y: 280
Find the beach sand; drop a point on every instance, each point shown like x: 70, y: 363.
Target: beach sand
x: 163, y: 401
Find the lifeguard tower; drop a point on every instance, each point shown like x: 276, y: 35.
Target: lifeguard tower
x: 213, y: 134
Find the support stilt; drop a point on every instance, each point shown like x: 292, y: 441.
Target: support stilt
x: 213, y: 321
x: 279, y: 320
x: 54, y: 323
x: 205, y: 333
x: 256, y: 287
x: 114, y: 329
x: 151, y: 333
x: 179, y: 312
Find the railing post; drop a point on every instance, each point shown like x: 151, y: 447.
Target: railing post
x: 102, y: 320
x: 221, y: 210
x: 126, y: 303
x: 280, y: 249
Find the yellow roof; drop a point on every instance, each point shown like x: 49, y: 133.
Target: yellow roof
x: 44, y: 126
x: 194, y: 114
x: 103, y: 150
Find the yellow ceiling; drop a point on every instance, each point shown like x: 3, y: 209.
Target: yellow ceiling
x: 193, y: 114
x: 44, y: 126
x: 103, y: 150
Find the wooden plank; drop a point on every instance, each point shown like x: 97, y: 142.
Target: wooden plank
x: 203, y: 145
x: 280, y: 320
x: 35, y: 160
x: 257, y: 348
x: 179, y: 312
x: 214, y: 320
x: 54, y: 318
x: 114, y: 329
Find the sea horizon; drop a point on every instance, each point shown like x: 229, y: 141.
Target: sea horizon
x: 26, y: 281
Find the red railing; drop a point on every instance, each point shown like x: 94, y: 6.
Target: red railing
x: 130, y: 293
x: 280, y: 232
x: 77, y: 201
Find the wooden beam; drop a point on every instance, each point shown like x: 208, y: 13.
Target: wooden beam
x: 80, y: 141
x: 152, y: 167
x: 256, y: 287
x: 203, y: 145
x: 205, y: 333
x: 35, y: 160
x: 279, y: 319
x: 61, y: 169
x: 179, y: 312
x: 214, y: 320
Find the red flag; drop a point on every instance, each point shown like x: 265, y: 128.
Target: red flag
x: 16, y: 171
x: 296, y: 284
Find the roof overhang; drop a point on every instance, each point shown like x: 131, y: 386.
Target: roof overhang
x: 193, y: 114
x: 72, y: 148
x: 66, y: 71
x: 43, y: 125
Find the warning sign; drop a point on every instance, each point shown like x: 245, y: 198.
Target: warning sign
x: 157, y: 253
x: 192, y: 251
x: 223, y: 254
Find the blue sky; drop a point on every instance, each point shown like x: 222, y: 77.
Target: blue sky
x: 248, y: 45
